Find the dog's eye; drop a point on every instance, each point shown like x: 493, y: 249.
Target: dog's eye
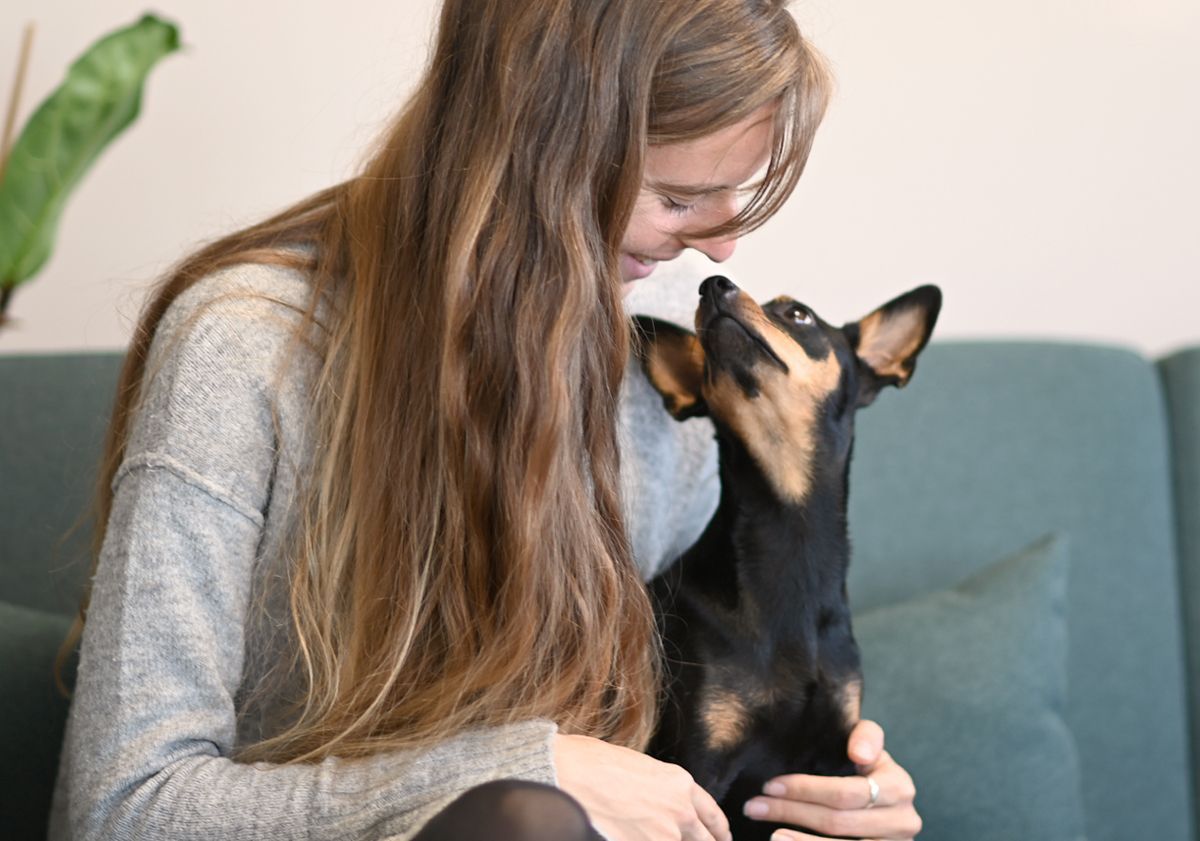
x: 800, y: 314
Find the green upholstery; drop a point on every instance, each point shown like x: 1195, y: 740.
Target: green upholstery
x: 53, y: 414
x: 32, y: 713
x: 1181, y: 375
x: 990, y: 657
x: 993, y: 445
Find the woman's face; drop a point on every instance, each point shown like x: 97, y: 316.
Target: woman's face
x: 693, y: 186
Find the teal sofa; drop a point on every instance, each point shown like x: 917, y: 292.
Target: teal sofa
x: 1052, y: 695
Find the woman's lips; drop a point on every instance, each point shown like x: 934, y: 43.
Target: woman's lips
x: 636, y: 267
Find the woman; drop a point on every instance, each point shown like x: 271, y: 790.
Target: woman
x: 364, y: 548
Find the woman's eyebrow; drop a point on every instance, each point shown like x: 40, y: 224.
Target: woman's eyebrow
x: 688, y: 189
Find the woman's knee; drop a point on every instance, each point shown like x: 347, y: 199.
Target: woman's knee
x: 511, y: 810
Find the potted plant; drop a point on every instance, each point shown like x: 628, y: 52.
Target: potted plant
x: 98, y: 100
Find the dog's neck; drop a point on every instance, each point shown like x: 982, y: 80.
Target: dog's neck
x: 769, y: 558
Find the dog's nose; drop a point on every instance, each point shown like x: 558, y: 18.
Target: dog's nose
x: 718, y: 286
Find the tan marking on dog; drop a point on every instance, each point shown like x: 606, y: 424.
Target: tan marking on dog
x: 675, y: 369
x: 850, y: 697
x: 886, y: 343
x: 778, y: 426
x: 725, y: 718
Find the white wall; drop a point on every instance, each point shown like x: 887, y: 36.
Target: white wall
x: 1037, y: 158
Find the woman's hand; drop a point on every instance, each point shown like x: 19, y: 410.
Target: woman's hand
x: 632, y: 797
x: 838, y: 806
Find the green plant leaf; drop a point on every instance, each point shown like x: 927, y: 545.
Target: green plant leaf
x: 100, y: 97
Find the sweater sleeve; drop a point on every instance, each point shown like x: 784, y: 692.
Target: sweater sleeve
x: 153, y: 721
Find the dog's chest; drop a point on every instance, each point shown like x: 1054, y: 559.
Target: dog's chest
x: 734, y: 701
x: 743, y: 684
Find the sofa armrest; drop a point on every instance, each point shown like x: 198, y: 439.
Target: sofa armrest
x: 1181, y: 380
x: 32, y: 715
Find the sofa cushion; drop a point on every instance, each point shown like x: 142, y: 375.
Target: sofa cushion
x: 970, y: 687
x: 994, y: 444
x: 32, y: 714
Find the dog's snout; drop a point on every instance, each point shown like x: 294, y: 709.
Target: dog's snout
x: 718, y: 286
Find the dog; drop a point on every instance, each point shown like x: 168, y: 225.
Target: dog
x: 763, y: 675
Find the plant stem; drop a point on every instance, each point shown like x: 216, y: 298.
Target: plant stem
x: 5, y: 297
x: 14, y: 101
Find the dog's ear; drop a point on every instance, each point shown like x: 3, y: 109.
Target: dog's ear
x: 888, y: 340
x: 674, y: 363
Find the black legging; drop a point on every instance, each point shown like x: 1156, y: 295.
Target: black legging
x: 511, y: 810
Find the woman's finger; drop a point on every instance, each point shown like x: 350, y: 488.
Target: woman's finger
x: 865, y: 743
x: 832, y: 792
x: 842, y: 806
x: 716, y: 825
x: 892, y: 822
x: 796, y: 835
x: 895, y: 787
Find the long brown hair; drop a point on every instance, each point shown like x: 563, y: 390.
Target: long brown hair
x: 468, y: 467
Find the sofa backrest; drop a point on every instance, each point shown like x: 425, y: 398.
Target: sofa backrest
x: 54, y: 410
x: 990, y: 447
x: 994, y: 445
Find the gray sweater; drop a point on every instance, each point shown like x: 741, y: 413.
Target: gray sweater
x: 174, y: 637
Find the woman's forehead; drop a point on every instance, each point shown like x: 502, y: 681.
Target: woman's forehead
x: 723, y: 160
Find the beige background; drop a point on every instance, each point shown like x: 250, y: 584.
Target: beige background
x: 1036, y: 158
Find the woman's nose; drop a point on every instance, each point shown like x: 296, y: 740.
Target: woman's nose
x: 716, y: 249
x: 723, y: 207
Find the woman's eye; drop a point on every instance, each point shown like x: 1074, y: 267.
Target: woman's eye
x: 677, y: 207
x: 800, y: 314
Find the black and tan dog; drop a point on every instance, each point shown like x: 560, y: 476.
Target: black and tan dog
x: 763, y: 670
